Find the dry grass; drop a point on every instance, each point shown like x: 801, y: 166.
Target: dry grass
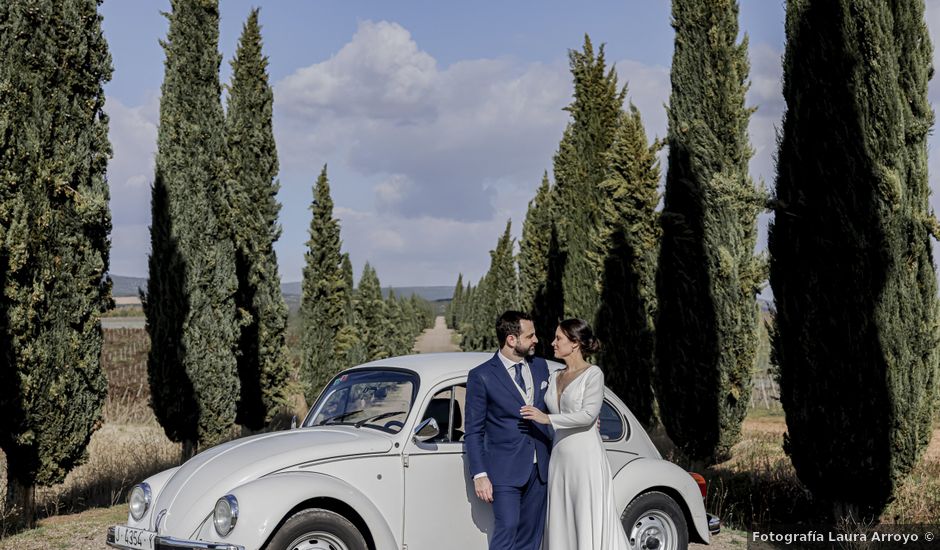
x: 84, y: 531
x: 129, y: 447
x: 759, y: 484
x: 124, y: 360
x: 120, y: 455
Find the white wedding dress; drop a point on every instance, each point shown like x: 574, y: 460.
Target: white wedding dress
x: 581, y: 510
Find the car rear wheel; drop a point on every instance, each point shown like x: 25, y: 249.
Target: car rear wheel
x: 653, y: 521
x: 317, y: 529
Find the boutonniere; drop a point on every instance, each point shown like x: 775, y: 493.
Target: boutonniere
x: 544, y: 384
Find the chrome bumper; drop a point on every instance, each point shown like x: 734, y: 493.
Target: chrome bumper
x: 714, y: 524
x: 170, y: 543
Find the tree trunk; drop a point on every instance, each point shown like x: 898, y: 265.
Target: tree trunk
x: 20, y: 504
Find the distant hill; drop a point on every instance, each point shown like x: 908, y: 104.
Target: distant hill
x: 430, y: 293
x: 127, y: 286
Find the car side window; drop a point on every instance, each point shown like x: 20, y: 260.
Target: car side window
x: 612, y: 425
x: 446, y: 407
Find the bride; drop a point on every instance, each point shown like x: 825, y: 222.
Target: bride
x: 581, y: 510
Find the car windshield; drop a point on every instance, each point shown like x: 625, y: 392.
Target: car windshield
x: 379, y: 398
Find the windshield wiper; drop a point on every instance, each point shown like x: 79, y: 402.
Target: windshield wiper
x: 338, y: 417
x: 378, y: 417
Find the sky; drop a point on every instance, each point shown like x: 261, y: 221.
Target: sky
x: 436, y: 120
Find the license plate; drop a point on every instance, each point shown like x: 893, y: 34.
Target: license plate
x: 129, y: 537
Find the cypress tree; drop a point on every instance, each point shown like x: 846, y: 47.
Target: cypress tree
x: 347, y: 347
x: 371, y: 315
x: 453, y: 309
x: 395, y: 327
x: 539, y: 292
x: 503, y: 277
x: 708, y: 276
x: 263, y: 362
x: 424, y: 311
x: 54, y: 248
x: 323, y: 300
x: 497, y: 292
x: 581, y: 166
x: 851, y: 263
x: 477, y: 336
x: 533, y: 246
x: 189, y: 304
x: 413, y: 322
x: 631, y: 231
x: 466, y: 305
x: 466, y: 316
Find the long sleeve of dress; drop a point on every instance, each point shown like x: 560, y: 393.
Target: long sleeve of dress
x: 591, y: 404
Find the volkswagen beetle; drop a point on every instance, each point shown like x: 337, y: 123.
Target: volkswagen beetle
x: 377, y: 464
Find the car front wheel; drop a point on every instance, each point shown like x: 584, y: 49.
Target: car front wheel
x: 653, y: 521
x: 317, y: 529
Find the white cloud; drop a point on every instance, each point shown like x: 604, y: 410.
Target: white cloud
x: 348, y: 83
x: 419, y: 251
x: 390, y: 192
x: 130, y: 245
x: 766, y: 94
x: 384, y: 108
x: 133, y: 135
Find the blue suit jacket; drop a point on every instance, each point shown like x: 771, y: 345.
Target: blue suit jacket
x: 498, y: 440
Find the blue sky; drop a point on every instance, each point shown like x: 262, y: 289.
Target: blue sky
x: 436, y: 119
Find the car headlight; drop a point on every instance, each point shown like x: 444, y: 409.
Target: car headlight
x: 139, y: 500
x: 225, y: 515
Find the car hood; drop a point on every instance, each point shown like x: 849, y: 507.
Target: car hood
x: 190, y: 494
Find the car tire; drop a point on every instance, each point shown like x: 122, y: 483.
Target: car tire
x: 317, y: 529
x: 653, y: 521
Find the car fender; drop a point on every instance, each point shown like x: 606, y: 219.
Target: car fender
x: 646, y: 474
x: 157, y: 482
x: 264, y: 503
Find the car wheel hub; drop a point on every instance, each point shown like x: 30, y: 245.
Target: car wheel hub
x: 654, y: 530
x: 317, y: 540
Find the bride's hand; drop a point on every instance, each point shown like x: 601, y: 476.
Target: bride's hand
x: 531, y: 413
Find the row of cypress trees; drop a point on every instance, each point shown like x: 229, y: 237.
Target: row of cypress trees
x: 342, y: 325
x: 590, y: 241
x: 215, y: 311
x: 672, y: 293
x: 214, y: 307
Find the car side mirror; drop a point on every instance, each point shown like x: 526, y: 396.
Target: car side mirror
x: 293, y: 422
x: 427, y: 429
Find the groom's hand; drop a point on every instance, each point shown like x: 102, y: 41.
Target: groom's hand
x: 484, y: 488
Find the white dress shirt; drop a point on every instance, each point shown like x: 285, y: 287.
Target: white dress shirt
x: 529, y: 394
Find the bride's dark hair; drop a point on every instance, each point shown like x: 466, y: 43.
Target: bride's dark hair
x: 578, y: 331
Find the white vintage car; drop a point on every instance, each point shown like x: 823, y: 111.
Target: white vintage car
x: 379, y: 464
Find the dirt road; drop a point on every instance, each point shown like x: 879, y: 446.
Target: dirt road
x: 437, y: 339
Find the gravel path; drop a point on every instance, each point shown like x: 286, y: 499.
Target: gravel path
x: 437, y: 339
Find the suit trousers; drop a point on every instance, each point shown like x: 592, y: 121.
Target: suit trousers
x: 519, y: 514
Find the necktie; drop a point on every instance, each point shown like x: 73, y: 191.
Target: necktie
x: 518, y: 377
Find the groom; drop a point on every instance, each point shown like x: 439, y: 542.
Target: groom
x: 509, y: 455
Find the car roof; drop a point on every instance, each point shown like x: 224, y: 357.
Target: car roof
x: 435, y: 366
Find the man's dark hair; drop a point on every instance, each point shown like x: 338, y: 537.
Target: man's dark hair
x: 510, y: 323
